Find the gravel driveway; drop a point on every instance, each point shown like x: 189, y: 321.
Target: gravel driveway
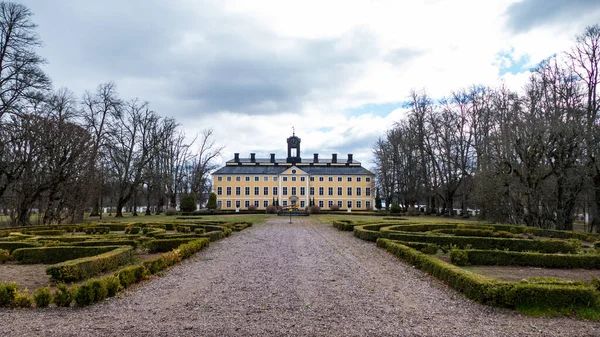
x: 277, y: 279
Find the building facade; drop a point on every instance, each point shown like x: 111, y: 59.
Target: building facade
x: 259, y: 182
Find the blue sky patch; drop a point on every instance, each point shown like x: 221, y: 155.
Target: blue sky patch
x: 515, y: 66
x: 381, y: 110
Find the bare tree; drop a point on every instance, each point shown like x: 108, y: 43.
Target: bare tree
x: 132, y: 139
x: 203, y: 164
x: 20, y: 72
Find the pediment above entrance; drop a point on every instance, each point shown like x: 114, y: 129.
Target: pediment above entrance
x: 293, y: 171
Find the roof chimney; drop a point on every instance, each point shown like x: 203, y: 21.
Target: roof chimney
x: 334, y: 158
x: 272, y: 157
x: 252, y: 157
x: 316, y: 158
x: 350, y: 157
x: 236, y: 157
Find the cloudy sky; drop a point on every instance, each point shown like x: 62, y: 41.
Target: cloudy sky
x: 339, y: 71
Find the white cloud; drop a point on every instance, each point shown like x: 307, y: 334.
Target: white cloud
x: 253, y: 69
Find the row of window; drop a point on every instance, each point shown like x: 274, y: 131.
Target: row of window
x: 293, y: 178
x: 294, y: 191
x: 321, y: 203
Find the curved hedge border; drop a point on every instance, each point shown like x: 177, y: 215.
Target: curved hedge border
x: 165, y: 245
x: 12, y: 245
x: 542, y: 246
x: 51, y: 255
x: 87, y: 267
x: 489, y: 291
x: 530, y: 259
x: 48, y: 232
x: 96, y: 243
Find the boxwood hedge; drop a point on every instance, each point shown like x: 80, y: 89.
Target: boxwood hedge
x: 531, y: 259
x: 51, y: 255
x: 542, y: 246
x: 489, y: 291
x: 83, y: 268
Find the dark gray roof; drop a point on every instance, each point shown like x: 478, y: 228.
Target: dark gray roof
x: 312, y: 170
x: 284, y: 160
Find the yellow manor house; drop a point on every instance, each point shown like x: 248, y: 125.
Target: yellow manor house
x: 258, y: 182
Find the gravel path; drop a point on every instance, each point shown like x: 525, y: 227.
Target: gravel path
x: 278, y: 279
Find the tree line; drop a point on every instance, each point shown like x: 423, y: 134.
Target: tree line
x: 64, y: 156
x: 530, y: 157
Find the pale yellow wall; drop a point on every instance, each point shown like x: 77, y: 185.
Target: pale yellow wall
x: 298, y: 183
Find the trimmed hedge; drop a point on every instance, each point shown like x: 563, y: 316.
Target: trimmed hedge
x: 12, y: 245
x: 542, y: 246
x: 175, y: 256
x: 489, y: 291
x: 51, y: 255
x: 83, y: 268
x: 96, y: 230
x: 368, y: 232
x: 49, y: 232
x: 96, y: 243
x: 508, y: 258
x: 7, y: 293
x: 188, y: 249
x: 66, y: 238
x: 489, y: 233
x: 165, y: 245
x: 427, y: 248
x: 344, y: 225
x: 212, y: 236
x: 130, y: 275
x: 115, y: 227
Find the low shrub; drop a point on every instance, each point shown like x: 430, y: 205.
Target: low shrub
x: 171, y: 211
x: 271, y: 209
x: 116, y: 227
x: 315, y: 210
x: 42, y: 297
x: 252, y: 208
x: 213, y: 235
x: 51, y: 255
x: 11, y: 245
x: 130, y: 275
x: 7, y: 293
x: 369, y: 232
x: 165, y: 245
x: 22, y: 299
x: 426, y: 248
x: 542, y: 246
x: 83, y: 294
x: 162, y: 262
x: 96, y: 230
x: 112, y: 284
x: 83, y: 268
x: 63, y: 296
x: 531, y: 259
x: 49, y: 232
x: 5, y: 256
x: 344, y: 224
x: 183, y: 229
x: 95, y: 243
x: 334, y: 207
x: 459, y: 257
x: 199, y: 230
x: 151, y: 232
x: 395, y: 208
x: 486, y: 290
x: 132, y: 230
x: 98, y: 289
x: 188, y: 249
